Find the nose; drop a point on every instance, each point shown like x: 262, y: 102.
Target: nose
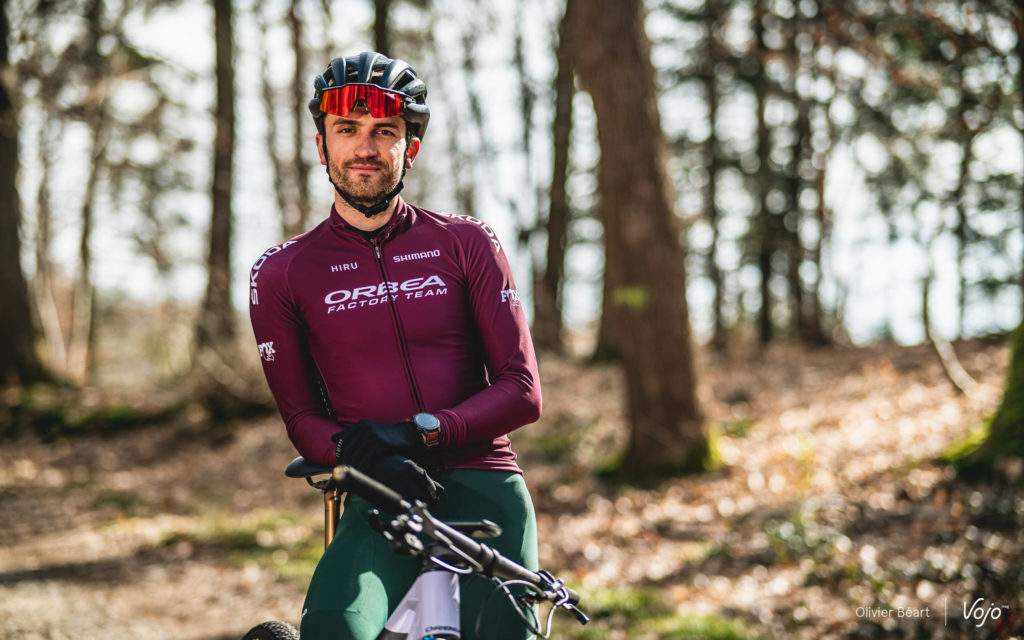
x: 364, y: 145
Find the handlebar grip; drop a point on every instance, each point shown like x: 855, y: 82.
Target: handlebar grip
x: 378, y: 494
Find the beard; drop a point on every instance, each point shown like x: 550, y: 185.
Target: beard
x: 366, y: 190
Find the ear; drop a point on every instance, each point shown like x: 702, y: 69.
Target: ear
x: 412, y: 151
x: 320, y: 148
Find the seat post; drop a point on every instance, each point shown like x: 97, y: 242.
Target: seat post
x: 332, y: 512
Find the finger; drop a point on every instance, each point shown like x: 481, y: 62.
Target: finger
x: 359, y: 448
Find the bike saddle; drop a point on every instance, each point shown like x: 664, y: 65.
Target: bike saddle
x: 300, y: 468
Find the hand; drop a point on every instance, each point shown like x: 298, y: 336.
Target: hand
x: 406, y: 477
x: 367, y: 441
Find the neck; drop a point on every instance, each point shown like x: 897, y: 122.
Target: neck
x: 356, y: 219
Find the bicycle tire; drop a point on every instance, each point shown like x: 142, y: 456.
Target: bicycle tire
x: 272, y: 630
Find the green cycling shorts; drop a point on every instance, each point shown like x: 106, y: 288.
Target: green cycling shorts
x: 360, y: 580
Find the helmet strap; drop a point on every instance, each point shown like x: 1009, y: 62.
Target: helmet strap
x: 372, y: 210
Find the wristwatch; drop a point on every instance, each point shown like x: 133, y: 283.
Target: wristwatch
x: 429, y: 427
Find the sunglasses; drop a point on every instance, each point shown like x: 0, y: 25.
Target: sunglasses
x: 381, y: 103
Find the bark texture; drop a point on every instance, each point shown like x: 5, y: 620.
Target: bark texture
x: 18, y: 361
x: 217, y: 317
x: 548, y: 321
x: 645, y: 261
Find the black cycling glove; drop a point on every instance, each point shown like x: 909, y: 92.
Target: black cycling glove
x: 406, y: 477
x: 366, y: 441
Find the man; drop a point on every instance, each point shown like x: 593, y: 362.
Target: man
x: 393, y: 340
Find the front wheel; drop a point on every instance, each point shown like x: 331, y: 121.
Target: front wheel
x: 273, y: 630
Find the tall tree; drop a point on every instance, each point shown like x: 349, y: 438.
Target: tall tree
x: 381, y: 27
x: 299, y: 94
x: 713, y: 54
x: 801, y: 179
x: 285, y: 203
x: 216, y: 328
x: 1018, y: 25
x: 19, y: 363
x: 95, y: 111
x: 765, y: 227
x: 1006, y: 432
x: 291, y: 176
x: 644, y: 259
x: 43, y: 282
x: 548, y: 284
x: 816, y: 161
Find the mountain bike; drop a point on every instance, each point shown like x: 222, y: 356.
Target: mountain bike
x: 448, y: 550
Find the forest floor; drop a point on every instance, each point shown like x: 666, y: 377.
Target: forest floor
x: 829, y: 518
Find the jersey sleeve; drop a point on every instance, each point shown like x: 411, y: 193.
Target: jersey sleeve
x: 287, y: 364
x: 513, y: 397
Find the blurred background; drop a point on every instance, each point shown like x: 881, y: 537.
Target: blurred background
x: 759, y: 202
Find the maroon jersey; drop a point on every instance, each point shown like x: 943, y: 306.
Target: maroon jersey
x: 423, y: 317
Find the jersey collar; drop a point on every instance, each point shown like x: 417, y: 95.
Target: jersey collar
x: 398, y: 222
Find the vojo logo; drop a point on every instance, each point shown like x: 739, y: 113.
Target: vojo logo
x: 982, y: 611
x: 372, y: 295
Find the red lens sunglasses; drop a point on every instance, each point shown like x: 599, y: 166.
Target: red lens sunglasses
x: 381, y: 103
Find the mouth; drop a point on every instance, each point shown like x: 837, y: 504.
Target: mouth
x: 364, y: 168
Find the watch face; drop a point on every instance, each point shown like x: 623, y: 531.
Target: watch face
x: 426, y: 421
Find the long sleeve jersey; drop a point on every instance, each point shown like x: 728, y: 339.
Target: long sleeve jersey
x: 425, y: 316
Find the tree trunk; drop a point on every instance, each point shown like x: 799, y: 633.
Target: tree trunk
x: 1018, y: 21
x: 816, y: 323
x: 645, y: 262
x: 82, y: 338
x: 270, y: 99
x: 956, y: 374
x: 962, y: 229
x: 300, y: 139
x: 713, y: 163
x: 764, y: 225
x: 800, y: 159
x: 381, y: 35
x: 605, y: 347
x: 1005, y: 440
x: 547, y: 293
x: 19, y: 364
x: 43, y: 283
x: 215, y: 329
x: 528, y: 193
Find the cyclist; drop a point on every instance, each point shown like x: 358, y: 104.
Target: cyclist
x: 393, y: 340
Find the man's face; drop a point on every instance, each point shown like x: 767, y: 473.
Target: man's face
x: 366, y: 153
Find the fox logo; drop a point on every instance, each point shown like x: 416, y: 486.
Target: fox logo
x: 267, y: 351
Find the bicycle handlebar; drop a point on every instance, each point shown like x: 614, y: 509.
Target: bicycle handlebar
x: 488, y: 560
x: 376, y: 493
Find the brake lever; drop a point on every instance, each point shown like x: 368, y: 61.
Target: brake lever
x: 581, y: 617
x: 557, y: 585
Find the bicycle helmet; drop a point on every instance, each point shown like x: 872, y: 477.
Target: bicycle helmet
x: 371, y: 68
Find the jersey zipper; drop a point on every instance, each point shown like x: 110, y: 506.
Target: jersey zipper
x: 396, y: 320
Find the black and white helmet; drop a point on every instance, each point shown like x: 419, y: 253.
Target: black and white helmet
x: 377, y: 69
